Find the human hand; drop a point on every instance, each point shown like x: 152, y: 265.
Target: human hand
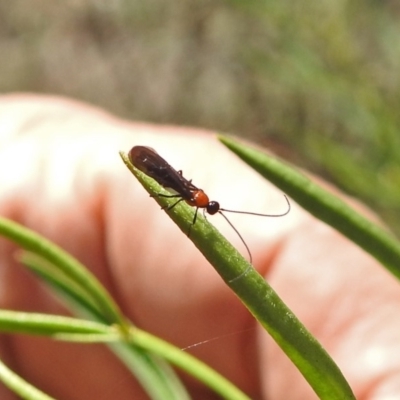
x: 61, y: 176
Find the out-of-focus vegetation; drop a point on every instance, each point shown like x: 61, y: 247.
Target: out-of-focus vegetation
x: 317, y: 80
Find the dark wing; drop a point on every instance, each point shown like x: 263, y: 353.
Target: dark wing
x: 152, y: 164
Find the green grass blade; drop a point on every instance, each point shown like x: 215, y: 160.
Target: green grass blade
x: 70, y: 278
x: 130, y: 349
x: 155, y: 375
x: 188, y: 363
x: 70, y: 266
x: 72, y: 329
x: 306, y: 353
x: 161, y: 383
x: 323, y: 205
x: 50, y: 325
x: 63, y: 285
x: 19, y: 386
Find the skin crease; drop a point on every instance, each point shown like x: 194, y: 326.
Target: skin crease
x: 60, y: 174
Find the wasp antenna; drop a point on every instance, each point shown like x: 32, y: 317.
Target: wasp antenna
x: 240, y: 236
x: 262, y: 215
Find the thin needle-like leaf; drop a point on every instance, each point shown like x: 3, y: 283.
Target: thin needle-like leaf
x: 322, y: 204
x: 19, y: 386
x: 301, y: 347
x: 69, y: 265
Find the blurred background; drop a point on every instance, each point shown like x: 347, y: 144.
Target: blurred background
x: 317, y: 81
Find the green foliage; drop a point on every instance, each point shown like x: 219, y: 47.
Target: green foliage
x: 323, y: 205
x: 317, y: 81
x: 144, y: 355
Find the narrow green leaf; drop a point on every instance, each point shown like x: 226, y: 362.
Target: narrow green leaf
x: 188, y: 363
x: 75, y: 282
x: 70, y: 266
x: 306, y: 353
x: 19, y: 386
x: 322, y: 204
x: 62, y: 284
x: 130, y: 349
x: 155, y: 375
x: 44, y: 324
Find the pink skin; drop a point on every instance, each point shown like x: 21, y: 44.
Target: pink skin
x: 60, y: 174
